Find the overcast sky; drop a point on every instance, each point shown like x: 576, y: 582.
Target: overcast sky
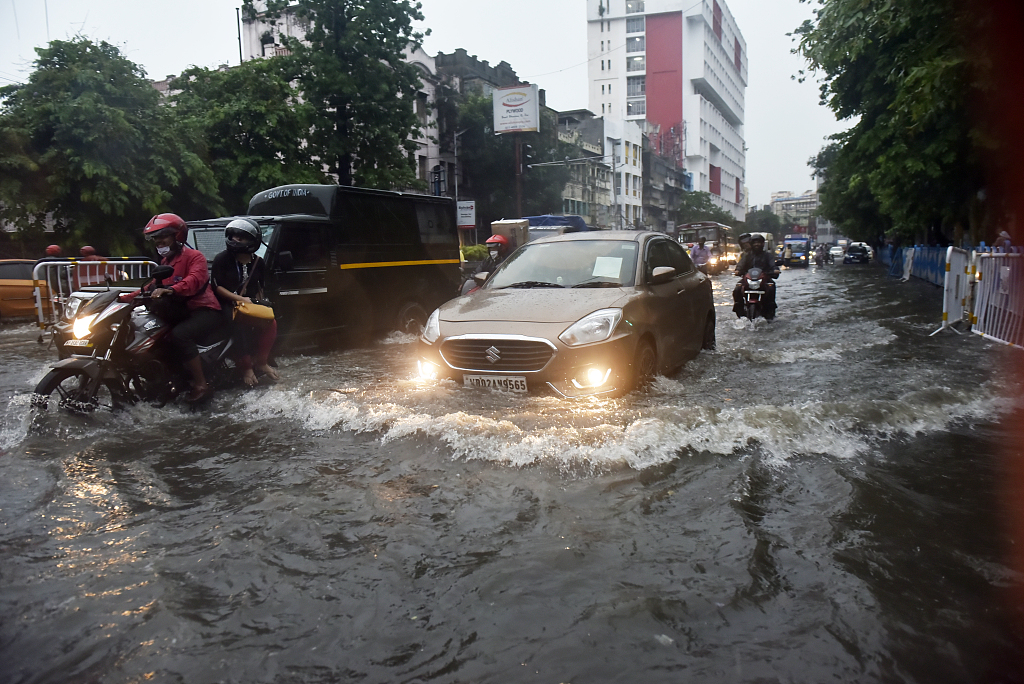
x: 543, y: 40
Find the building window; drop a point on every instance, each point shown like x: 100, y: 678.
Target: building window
x: 638, y: 63
x: 718, y: 20
x: 602, y: 108
x: 636, y: 86
x: 602, y: 65
x: 422, y: 168
x: 602, y: 90
x: 602, y: 46
x: 635, y: 44
x: 633, y: 6
x: 636, y: 107
x: 738, y: 55
x: 635, y: 25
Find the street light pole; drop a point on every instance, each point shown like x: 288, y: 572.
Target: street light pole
x: 456, y: 138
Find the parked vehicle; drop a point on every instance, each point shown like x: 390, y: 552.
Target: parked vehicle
x: 349, y: 261
x: 116, y: 353
x: 579, y: 314
x: 17, y: 289
x: 857, y: 254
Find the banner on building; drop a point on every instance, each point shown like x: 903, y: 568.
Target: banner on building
x: 467, y: 214
x: 516, y: 109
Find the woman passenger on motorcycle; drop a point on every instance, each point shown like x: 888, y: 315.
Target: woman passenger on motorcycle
x: 756, y: 258
x: 201, y: 315
x: 238, y: 276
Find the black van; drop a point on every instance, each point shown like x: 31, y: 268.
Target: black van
x: 351, y: 261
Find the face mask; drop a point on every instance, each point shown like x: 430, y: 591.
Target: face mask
x: 163, y: 251
x: 493, y: 253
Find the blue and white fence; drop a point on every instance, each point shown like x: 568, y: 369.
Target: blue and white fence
x: 956, y: 290
x: 999, y: 298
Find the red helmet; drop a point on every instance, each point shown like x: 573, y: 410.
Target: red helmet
x: 500, y: 240
x: 166, y: 224
x: 53, y: 251
x: 87, y: 251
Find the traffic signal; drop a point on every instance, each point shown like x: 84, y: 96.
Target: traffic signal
x: 528, y: 157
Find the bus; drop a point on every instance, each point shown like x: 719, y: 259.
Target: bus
x: 717, y: 237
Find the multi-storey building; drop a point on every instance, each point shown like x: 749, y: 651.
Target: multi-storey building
x: 678, y: 68
x: 796, y: 212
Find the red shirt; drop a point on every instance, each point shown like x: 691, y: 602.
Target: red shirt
x: 190, y: 278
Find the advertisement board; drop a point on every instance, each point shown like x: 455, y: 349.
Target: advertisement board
x: 516, y: 109
x: 466, y: 214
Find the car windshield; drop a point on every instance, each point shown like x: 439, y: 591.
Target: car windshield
x: 575, y: 263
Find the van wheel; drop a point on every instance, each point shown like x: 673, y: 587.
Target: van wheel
x: 411, y: 318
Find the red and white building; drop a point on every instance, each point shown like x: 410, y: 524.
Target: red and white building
x: 679, y: 69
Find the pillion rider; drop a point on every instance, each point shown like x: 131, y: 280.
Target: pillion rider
x: 756, y: 258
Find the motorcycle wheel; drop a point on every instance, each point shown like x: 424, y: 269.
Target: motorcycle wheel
x: 753, y: 311
x: 68, y: 389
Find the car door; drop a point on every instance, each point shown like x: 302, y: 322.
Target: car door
x: 670, y: 313
x: 299, y: 288
x: 693, y: 288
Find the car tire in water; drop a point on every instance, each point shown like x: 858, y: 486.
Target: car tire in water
x: 66, y: 388
x: 411, y: 318
x: 645, y: 364
x: 709, y: 332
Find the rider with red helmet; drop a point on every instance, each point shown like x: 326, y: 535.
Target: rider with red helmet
x: 201, y: 317
x: 498, y: 248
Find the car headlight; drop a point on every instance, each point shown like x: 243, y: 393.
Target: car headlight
x: 594, y: 327
x: 81, y: 326
x: 432, y: 330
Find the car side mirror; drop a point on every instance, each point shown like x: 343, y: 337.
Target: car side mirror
x: 480, y: 278
x: 662, y: 274
x: 285, y: 261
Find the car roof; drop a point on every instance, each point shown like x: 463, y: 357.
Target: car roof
x: 618, y: 235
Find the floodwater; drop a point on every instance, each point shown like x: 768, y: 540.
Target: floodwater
x: 817, y: 500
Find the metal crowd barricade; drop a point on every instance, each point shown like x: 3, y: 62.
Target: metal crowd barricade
x: 999, y: 298
x: 956, y: 288
x: 56, y: 280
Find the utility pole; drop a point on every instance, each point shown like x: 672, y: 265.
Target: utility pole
x: 238, y: 22
x: 457, y: 162
x: 519, y: 176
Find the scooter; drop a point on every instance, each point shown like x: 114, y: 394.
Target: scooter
x: 116, y: 354
x: 754, y: 293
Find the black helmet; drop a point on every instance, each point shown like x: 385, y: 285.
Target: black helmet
x: 744, y: 238
x: 757, y: 238
x: 243, y: 235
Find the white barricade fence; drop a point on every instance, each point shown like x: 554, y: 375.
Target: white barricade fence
x: 999, y: 298
x: 56, y: 280
x: 956, y: 289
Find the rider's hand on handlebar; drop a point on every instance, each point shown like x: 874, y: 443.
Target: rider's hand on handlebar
x: 161, y: 291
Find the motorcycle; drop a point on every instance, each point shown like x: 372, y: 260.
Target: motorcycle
x: 116, y: 353
x: 754, y: 293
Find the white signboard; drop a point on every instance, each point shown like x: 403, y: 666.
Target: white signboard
x: 467, y: 214
x: 516, y: 109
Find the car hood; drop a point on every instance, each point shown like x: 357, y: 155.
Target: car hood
x: 536, y: 305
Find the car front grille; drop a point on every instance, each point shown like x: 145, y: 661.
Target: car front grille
x: 496, y: 354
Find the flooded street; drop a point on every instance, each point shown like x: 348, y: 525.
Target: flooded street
x: 816, y: 500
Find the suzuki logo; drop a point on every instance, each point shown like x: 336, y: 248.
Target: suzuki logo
x: 493, y: 355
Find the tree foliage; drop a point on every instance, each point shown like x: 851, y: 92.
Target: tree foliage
x: 911, y: 160
x: 488, y: 162
x: 764, y: 221
x: 86, y: 143
x: 351, y: 71
x: 254, y: 124
x: 699, y: 206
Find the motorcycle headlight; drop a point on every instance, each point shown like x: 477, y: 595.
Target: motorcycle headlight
x: 594, y: 327
x: 71, y: 308
x: 755, y: 284
x: 432, y: 330
x: 81, y: 325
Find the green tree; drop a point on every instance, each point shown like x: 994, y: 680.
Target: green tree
x: 487, y: 162
x: 764, y: 221
x: 254, y: 124
x: 899, y: 69
x: 351, y: 71
x: 699, y: 206
x: 86, y: 142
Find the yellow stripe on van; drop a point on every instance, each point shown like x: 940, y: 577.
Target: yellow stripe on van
x: 382, y: 264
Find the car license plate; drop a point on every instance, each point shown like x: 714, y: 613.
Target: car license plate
x: 512, y: 383
x: 78, y: 343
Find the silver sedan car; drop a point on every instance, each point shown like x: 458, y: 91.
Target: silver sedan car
x: 580, y: 314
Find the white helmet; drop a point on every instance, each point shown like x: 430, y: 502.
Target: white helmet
x: 243, y: 235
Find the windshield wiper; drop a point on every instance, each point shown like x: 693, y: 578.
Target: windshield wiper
x: 599, y: 283
x: 531, y: 283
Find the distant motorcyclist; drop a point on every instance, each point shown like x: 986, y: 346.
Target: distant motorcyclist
x: 756, y: 258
